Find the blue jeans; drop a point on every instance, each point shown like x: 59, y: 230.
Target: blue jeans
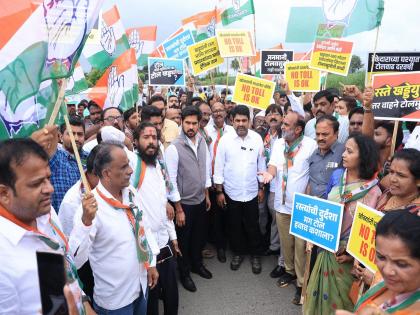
x: 138, y: 307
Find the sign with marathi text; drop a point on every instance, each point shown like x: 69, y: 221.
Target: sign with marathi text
x: 272, y: 61
x: 317, y: 221
x: 235, y: 43
x: 361, y: 244
x: 301, y: 78
x: 252, y: 91
x: 169, y: 72
x: 397, y: 96
x: 204, y: 55
x: 177, y: 46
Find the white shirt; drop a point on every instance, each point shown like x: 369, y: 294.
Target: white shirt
x: 213, y: 131
x: 110, y: 246
x: 237, y: 163
x: 172, y: 160
x: 19, y: 283
x: 298, y: 174
x: 152, y: 199
x: 71, y: 202
x: 88, y: 146
x: 343, y: 131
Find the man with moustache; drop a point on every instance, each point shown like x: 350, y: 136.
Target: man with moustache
x: 356, y: 116
x: 239, y: 158
x: 173, y: 102
x: 93, y: 123
x: 323, y: 104
x: 205, y: 111
x: 174, y: 114
x: 151, y: 187
x: 188, y: 162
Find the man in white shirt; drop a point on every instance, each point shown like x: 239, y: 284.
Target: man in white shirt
x: 120, y: 247
x: 239, y: 158
x: 323, y: 103
x: 152, y: 192
x: 188, y: 162
x: 28, y: 224
x: 289, y: 163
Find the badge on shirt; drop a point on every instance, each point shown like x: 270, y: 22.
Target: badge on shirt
x: 332, y: 165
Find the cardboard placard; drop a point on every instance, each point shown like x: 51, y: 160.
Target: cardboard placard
x: 235, y: 43
x: 177, y: 46
x: 204, y: 56
x: 301, y: 78
x: 272, y: 61
x: 166, y: 72
x: 253, y: 91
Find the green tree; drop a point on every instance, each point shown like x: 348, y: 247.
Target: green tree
x: 355, y: 64
x: 235, y: 64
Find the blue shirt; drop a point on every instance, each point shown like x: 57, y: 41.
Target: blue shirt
x: 64, y: 174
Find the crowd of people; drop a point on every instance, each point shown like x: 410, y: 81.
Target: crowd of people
x: 179, y: 172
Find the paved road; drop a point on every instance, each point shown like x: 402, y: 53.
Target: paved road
x: 238, y: 292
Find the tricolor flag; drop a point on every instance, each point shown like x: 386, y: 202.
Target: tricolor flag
x: 118, y: 87
x: 143, y: 40
x: 112, y: 43
x: 40, y: 41
x: 77, y: 82
x: 234, y: 10
x: 205, y: 24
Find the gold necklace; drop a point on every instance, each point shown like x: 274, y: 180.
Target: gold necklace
x: 393, y: 204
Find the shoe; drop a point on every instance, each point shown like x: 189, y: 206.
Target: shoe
x: 285, y: 280
x: 207, y: 253
x: 188, y: 283
x: 221, y: 255
x: 270, y: 252
x: 236, y: 262
x: 297, y: 298
x: 256, y: 264
x: 203, y: 272
x: 277, y: 272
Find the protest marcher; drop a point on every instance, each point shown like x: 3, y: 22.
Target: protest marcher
x: 173, y: 102
x: 182, y: 99
x: 280, y: 99
x: 81, y: 107
x: 188, y: 162
x: 356, y: 182
x: 106, y: 238
x: 398, y: 261
x: 174, y: 114
x: 259, y: 124
x: 131, y: 121
x: 326, y: 158
x: 205, y: 111
x: 28, y: 224
x: 71, y: 108
x: 356, y: 120
x: 324, y: 105
x: 345, y: 105
x: 170, y: 130
x: 239, y: 158
x: 93, y: 123
x: 151, y: 187
x: 229, y: 106
x: 289, y: 163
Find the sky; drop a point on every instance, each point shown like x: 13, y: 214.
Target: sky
x: 400, y: 29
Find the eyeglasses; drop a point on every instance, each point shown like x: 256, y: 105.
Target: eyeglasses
x: 111, y: 119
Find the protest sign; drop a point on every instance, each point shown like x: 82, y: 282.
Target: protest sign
x: 235, y: 43
x: 317, y: 221
x: 361, y: 244
x: 253, y: 91
x: 272, y: 61
x: 397, y: 96
x: 332, y: 55
x: 164, y: 71
x: 392, y: 62
x: 301, y: 78
x: 326, y: 31
x: 204, y: 55
x: 176, y: 47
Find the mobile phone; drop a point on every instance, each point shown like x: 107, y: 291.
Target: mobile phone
x: 52, y: 278
x: 165, y: 253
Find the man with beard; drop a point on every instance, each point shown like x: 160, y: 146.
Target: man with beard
x: 215, y: 131
x: 131, y: 121
x: 205, y: 111
x: 188, y: 162
x: 289, y: 162
x: 150, y: 185
x: 93, y: 123
x: 323, y: 103
x: 173, y: 102
x: 239, y: 158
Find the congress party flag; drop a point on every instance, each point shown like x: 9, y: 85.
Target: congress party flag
x: 357, y: 16
x: 118, y: 87
x: 113, y: 41
x: 77, y: 82
x: 35, y: 51
x: 232, y: 11
x: 143, y: 40
x: 205, y: 24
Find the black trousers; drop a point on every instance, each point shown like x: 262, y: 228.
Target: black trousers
x: 191, y: 237
x: 86, y: 277
x: 244, y: 230
x: 219, y: 220
x: 166, y: 288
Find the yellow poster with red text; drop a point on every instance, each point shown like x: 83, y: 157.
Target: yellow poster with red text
x: 235, y: 43
x: 301, y: 78
x: 252, y: 91
x: 361, y: 244
x: 332, y: 55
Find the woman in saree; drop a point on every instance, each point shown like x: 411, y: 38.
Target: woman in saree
x: 398, y: 261
x: 331, y: 279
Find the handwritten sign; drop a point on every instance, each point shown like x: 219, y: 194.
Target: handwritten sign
x: 397, y: 96
x: 361, y: 244
x: 169, y: 72
x: 302, y: 78
x: 332, y: 55
x: 177, y: 46
x: 235, y: 43
x: 272, y: 61
x: 317, y: 221
x: 204, y: 55
x: 253, y: 91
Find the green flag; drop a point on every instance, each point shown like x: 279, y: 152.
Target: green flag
x: 235, y: 10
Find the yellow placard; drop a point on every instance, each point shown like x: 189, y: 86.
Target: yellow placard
x: 204, y: 55
x: 361, y: 244
x: 301, y: 78
x: 235, y: 43
x: 252, y: 91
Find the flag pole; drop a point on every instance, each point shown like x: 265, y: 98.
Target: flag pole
x: 374, y: 54
x: 255, y: 40
x: 227, y: 75
x: 56, y: 108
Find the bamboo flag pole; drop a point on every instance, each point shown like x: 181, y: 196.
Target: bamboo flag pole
x: 255, y: 43
x: 58, y: 102
x: 374, y: 54
x: 394, y: 137
x: 227, y: 75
